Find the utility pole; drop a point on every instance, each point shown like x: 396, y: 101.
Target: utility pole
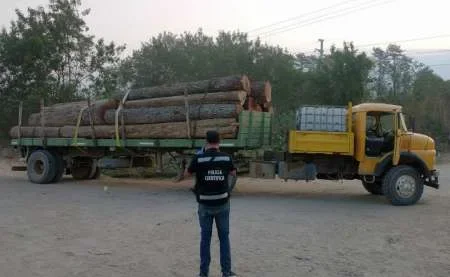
x: 321, y: 48
x: 320, y: 52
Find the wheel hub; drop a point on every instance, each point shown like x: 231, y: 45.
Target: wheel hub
x: 406, y: 186
x: 39, y: 167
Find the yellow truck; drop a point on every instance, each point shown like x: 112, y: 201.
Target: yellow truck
x: 376, y: 147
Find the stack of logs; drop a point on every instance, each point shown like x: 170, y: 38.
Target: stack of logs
x: 182, y: 110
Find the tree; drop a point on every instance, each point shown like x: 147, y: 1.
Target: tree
x: 394, y: 73
x: 428, y: 104
x: 342, y: 77
x: 48, y: 54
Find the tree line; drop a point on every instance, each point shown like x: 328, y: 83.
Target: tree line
x: 48, y: 53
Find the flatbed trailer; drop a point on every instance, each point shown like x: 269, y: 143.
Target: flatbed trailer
x: 49, y: 158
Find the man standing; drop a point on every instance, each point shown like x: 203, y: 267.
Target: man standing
x: 212, y: 169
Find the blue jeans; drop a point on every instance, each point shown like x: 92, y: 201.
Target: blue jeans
x: 221, y: 215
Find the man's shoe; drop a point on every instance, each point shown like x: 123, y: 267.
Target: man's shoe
x: 230, y: 274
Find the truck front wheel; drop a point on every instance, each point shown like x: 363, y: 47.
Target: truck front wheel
x: 402, y: 185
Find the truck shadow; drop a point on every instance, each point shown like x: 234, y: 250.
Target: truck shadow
x: 323, y: 196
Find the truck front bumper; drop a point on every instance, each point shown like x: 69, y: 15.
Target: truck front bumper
x: 433, y: 179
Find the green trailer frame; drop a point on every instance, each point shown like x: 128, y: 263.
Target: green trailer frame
x: 255, y: 132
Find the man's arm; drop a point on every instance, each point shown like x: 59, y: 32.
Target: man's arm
x: 233, y: 170
x: 192, y: 168
x: 187, y: 172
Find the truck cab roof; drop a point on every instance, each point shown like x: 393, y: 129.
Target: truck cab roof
x: 377, y: 107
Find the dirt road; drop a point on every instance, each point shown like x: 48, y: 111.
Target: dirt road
x: 143, y: 228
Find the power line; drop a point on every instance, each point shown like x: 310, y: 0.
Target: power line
x: 427, y: 53
x: 308, y: 20
x: 323, y: 18
x: 300, y: 16
x: 437, y: 65
x: 408, y: 52
x: 406, y: 40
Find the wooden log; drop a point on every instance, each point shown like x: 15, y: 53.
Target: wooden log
x: 262, y: 92
x: 268, y: 107
x: 34, y: 132
x: 227, y: 128
x: 67, y: 113
x: 175, y: 113
x: 237, y: 97
x: 257, y: 108
x: 228, y: 83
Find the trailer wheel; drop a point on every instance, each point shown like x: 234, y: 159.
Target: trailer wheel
x: 41, y: 167
x: 60, y: 168
x: 95, y: 171
x: 375, y: 188
x: 81, y: 168
x: 403, y: 186
x: 81, y: 173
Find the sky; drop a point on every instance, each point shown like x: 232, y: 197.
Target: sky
x: 367, y: 23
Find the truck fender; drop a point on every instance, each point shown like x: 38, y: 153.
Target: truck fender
x: 406, y: 158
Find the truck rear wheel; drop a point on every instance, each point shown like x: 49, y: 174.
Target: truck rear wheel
x: 403, y: 186
x: 374, y: 188
x: 41, y: 167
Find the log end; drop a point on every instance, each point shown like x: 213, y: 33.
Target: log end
x: 246, y: 85
x: 268, y: 92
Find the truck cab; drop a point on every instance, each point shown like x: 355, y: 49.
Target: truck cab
x: 376, y: 148
x: 382, y: 141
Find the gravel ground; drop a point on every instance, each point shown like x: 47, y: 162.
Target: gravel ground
x: 150, y: 228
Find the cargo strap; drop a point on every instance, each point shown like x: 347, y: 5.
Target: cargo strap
x: 91, y: 122
x: 188, y: 121
x: 42, y: 135
x: 19, y: 132
x: 80, y: 116
x: 116, y: 121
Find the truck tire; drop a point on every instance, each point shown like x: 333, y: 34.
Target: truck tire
x: 60, y: 167
x: 374, y: 188
x: 403, y: 186
x: 41, y: 167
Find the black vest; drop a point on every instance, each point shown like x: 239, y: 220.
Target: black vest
x: 212, y: 169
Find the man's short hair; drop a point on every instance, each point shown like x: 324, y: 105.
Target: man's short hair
x: 212, y: 137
